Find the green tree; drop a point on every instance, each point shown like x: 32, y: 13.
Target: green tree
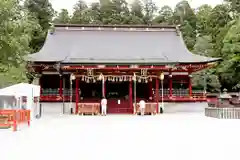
x: 185, y: 16
x: 150, y: 9
x: 206, y: 78
x: 106, y: 12
x: 80, y: 13
x: 137, y: 9
x: 218, y: 19
x: 231, y: 56
x: 94, y: 13
x: 234, y: 6
x: 121, y: 11
x: 42, y: 10
x: 62, y: 17
x: 16, y: 29
x: 202, y: 14
x: 136, y: 12
x: 204, y: 46
x: 165, y: 16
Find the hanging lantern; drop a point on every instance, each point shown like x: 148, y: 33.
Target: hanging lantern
x: 82, y: 78
x: 101, y: 77
x: 120, y: 79
x: 150, y: 79
x: 134, y: 77
x: 161, y: 77
x: 125, y: 78
x: 72, y: 77
x: 87, y: 80
x: 129, y: 79
x: 139, y: 80
x: 94, y: 81
x: 113, y: 79
x: 146, y: 81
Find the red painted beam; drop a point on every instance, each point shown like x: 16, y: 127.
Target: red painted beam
x: 114, y: 67
x: 166, y: 99
x: 157, y: 93
x: 60, y: 86
x: 77, y: 95
x: 130, y: 96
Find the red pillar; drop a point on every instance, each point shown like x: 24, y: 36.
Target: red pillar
x: 40, y: 84
x: 60, y: 86
x: 190, y: 85
x: 157, y: 93
x: 130, y: 95
x: 103, y: 88
x: 77, y: 95
x: 170, y: 86
x: 150, y: 93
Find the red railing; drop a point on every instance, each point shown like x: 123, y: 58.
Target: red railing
x: 13, y: 118
x: 120, y: 110
x: 179, y: 95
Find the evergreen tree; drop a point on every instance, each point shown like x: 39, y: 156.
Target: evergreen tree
x: 16, y: 30
x: 62, y: 17
x: 42, y: 10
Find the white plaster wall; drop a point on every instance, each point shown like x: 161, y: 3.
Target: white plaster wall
x: 184, y: 107
x: 57, y: 108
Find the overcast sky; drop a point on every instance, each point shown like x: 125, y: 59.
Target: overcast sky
x: 68, y: 4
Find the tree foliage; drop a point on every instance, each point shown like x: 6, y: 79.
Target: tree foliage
x: 63, y: 17
x: 43, y: 12
x: 16, y: 31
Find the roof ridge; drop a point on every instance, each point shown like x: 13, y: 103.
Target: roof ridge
x: 114, y: 26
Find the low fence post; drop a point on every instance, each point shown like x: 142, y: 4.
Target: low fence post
x: 222, y: 113
x: 14, y: 120
x: 28, y: 117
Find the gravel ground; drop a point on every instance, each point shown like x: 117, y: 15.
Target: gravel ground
x: 178, y: 136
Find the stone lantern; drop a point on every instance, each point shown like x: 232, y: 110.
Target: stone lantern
x: 224, y: 99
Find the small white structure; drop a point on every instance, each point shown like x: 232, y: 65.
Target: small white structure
x: 11, y: 97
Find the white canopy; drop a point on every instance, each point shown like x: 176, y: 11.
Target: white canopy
x: 21, y: 89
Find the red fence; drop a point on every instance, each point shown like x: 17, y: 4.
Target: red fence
x: 13, y: 118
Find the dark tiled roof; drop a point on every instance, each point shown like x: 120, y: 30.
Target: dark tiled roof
x: 116, y: 45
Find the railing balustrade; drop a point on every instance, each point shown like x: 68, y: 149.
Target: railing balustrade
x: 175, y: 92
x: 223, y: 113
x: 55, y: 92
x: 179, y: 92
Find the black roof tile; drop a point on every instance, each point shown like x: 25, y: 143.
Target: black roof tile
x: 116, y: 45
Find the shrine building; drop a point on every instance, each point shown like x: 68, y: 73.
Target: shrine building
x: 83, y: 63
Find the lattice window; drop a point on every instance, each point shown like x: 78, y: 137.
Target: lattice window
x: 181, y: 92
x: 50, y: 92
x: 55, y: 92
x: 67, y: 92
x: 165, y: 92
x: 198, y: 93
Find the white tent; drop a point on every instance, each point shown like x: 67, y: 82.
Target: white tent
x: 23, y: 90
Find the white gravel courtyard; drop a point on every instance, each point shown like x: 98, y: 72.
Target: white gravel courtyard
x: 180, y: 136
